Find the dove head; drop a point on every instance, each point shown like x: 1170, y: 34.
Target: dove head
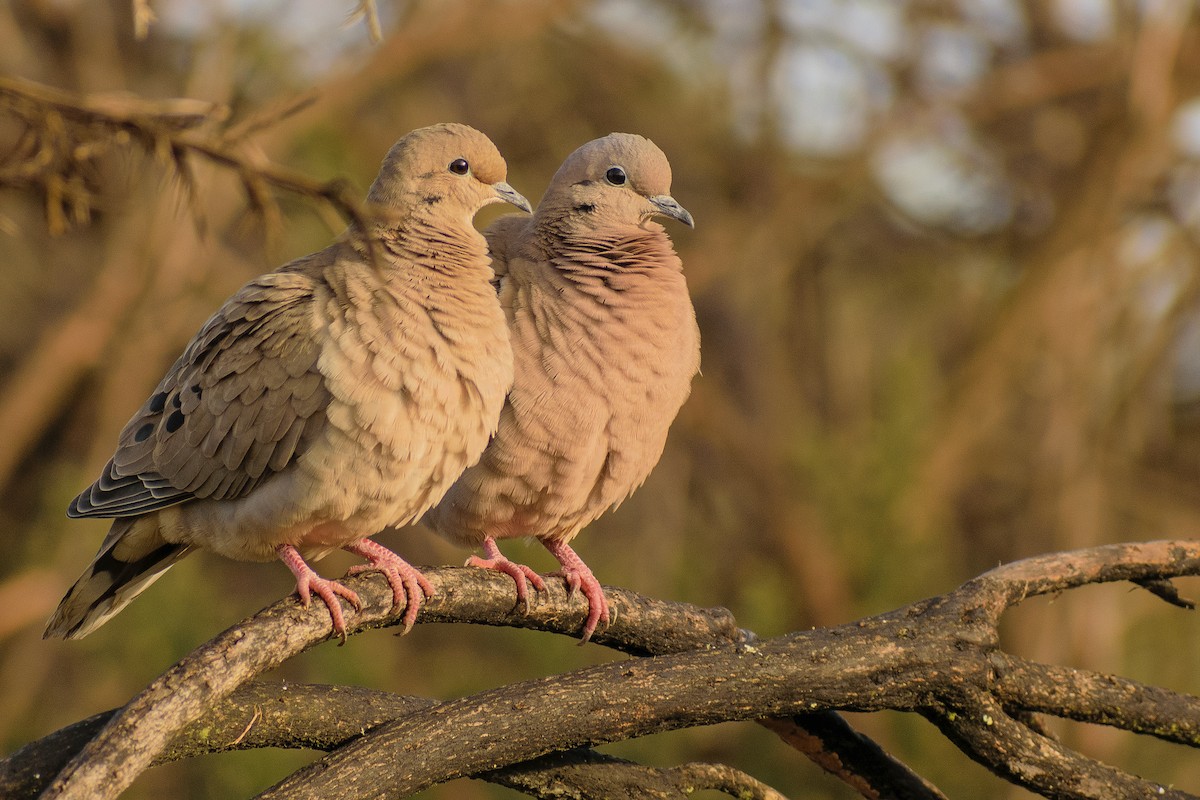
x: 621, y: 178
x: 450, y: 169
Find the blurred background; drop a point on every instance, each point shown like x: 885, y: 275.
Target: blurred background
x: 945, y: 267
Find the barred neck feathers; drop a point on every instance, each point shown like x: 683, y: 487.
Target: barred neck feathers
x: 443, y: 249
x: 423, y: 244
x: 594, y: 222
x: 617, y: 261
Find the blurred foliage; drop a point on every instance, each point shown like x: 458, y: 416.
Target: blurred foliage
x: 945, y: 268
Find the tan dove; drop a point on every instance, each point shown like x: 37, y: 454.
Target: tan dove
x: 605, y: 345
x: 338, y: 395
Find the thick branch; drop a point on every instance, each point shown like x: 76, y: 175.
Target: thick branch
x: 260, y: 715
x: 924, y: 657
x: 983, y: 730
x: 255, y: 715
x: 612, y: 702
x: 1094, y: 697
x: 933, y: 657
x: 643, y: 627
x: 858, y: 761
x: 780, y: 676
x: 135, y: 737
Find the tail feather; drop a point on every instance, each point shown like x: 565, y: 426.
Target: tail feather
x: 109, y: 582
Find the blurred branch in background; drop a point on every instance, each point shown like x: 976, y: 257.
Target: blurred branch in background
x: 63, y: 136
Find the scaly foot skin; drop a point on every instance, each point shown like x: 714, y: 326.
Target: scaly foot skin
x: 579, y: 578
x: 521, y: 574
x: 309, y: 583
x: 409, y: 586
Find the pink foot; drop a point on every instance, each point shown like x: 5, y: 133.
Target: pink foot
x: 521, y: 574
x: 409, y: 586
x: 579, y: 578
x: 309, y: 583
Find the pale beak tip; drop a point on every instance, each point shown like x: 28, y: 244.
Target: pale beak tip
x: 669, y: 207
x: 510, y: 195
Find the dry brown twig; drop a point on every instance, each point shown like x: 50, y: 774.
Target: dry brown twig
x: 938, y: 657
x: 64, y: 135
x: 61, y: 141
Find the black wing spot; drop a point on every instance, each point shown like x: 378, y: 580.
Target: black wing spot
x: 175, y: 401
x: 143, y: 433
x: 158, y: 402
x: 175, y: 421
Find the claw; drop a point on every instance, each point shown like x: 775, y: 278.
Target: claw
x: 521, y: 574
x: 309, y: 583
x: 409, y: 586
x: 572, y: 580
x: 579, y: 578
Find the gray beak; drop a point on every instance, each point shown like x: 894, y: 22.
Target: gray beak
x: 667, y: 205
x: 511, y: 195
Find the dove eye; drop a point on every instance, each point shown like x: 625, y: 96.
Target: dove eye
x: 615, y: 176
x: 459, y: 166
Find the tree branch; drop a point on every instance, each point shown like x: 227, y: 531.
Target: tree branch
x: 1094, y: 697
x: 317, y: 717
x: 642, y: 627
x: 829, y: 741
x: 64, y: 134
x: 253, y: 716
x: 131, y: 740
x: 932, y: 657
x: 938, y: 657
x: 588, y: 775
x: 982, y: 729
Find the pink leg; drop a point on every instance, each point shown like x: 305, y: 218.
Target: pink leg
x: 580, y: 578
x: 409, y: 587
x: 309, y: 582
x: 521, y: 574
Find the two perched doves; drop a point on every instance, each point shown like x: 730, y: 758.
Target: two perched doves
x: 605, y: 345
x: 348, y: 391
x: 325, y: 401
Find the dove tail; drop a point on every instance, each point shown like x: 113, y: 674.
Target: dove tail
x: 110, y: 582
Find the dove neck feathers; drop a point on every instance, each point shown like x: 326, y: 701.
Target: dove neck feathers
x: 630, y: 250
x: 420, y: 241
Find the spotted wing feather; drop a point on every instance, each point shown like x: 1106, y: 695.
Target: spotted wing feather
x: 242, y: 402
